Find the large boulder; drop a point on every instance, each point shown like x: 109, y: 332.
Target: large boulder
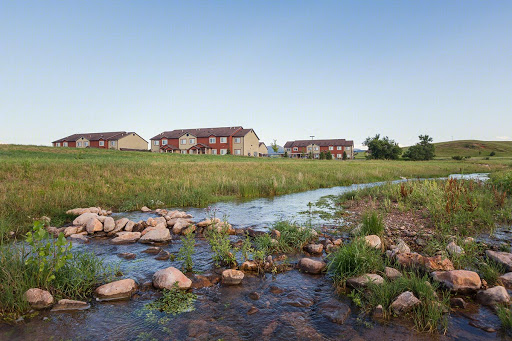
x: 129, y: 226
x: 392, y: 273
x: 504, y: 258
x: 65, y: 305
x: 506, y: 280
x: 165, y: 279
x: 314, y: 249
x: 180, y: 224
x: 417, y: 261
x: 160, y: 235
x: 120, y: 224
x: 373, y: 241
x: 459, y: 281
x: 38, y: 298
x: 68, y: 231
x: 311, y: 266
x: 334, y: 310
x: 121, y: 289
x: 109, y: 224
x: 94, y: 225
x: 404, y: 303
x: 363, y: 280
x: 493, y: 296
x: 82, y: 219
x: 232, y: 277
x: 126, y: 237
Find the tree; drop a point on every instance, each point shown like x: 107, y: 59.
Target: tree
x: 322, y: 155
x: 383, y: 149
x: 285, y: 153
x: 274, y: 146
x: 328, y: 155
x: 228, y: 152
x: 423, y: 150
x: 345, y: 155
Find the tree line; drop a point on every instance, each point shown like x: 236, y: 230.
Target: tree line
x: 387, y: 149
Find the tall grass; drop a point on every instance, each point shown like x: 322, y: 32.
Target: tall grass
x: 37, y: 181
x: 505, y: 316
x: 372, y: 223
x: 292, y: 238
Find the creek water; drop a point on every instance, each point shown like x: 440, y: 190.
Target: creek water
x: 294, y: 312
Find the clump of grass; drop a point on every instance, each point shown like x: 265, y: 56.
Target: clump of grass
x: 372, y: 223
x: 505, y: 316
x: 354, y: 259
x: 174, y: 301
x: 292, y: 238
x: 186, y: 251
x: 223, y: 252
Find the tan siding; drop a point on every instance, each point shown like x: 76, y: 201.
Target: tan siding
x: 251, y: 144
x: 132, y: 141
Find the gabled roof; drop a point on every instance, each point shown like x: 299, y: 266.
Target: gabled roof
x: 321, y: 143
x: 262, y: 143
x: 199, y: 132
x: 243, y: 132
x: 199, y: 146
x: 112, y: 136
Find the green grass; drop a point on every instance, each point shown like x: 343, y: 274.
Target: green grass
x: 505, y: 316
x: 174, y: 301
x: 372, y: 223
x: 473, y: 148
x: 37, y: 181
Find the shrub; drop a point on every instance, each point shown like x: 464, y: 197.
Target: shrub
x: 344, y: 155
x: 384, y: 148
x: 186, y: 251
x: 457, y: 157
x: 354, y: 259
x: 492, y: 153
x: 502, y: 181
x: 223, y: 252
x: 328, y: 155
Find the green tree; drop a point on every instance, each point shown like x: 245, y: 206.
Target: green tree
x: 322, y: 155
x: 285, y: 154
x: 274, y: 146
x: 328, y: 155
x: 345, y: 155
x: 423, y: 150
x: 382, y: 148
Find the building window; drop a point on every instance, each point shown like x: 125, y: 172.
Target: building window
x: 223, y: 140
x: 237, y: 140
x: 238, y: 152
x: 156, y: 142
x: 316, y: 148
x: 223, y: 151
x: 183, y: 141
x: 295, y: 149
x: 309, y: 149
x: 102, y: 143
x: 213, y: 140
x: 339, y: 156
x: 331, y: 148
x: 79, y: 144
x: 86, y: 144
x: 214, y: 151
x: 183, y: 152
x: 192, y: 141
x: 347, y: 149
x: 112, y: 143
x: 338, y: 148
x: 57, y: 144
x: 64, y: 144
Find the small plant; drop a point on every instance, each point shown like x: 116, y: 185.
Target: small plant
x: 372, y: 224
x: 492, y: 153
x: 47, y: 255
x: 458, y: 157
x: 344, y: 157
x: 186, y: 251
x: 174, y: 301
x: 505, y: 316
x: 223, y: 252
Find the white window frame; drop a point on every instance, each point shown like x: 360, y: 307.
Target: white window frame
x: 223, y: 151
x: 309, y: 149
x: 79, y: 144
x: 156, y: 143
x: 213, y: 140
x: 338, y: 148
x: 238, y: 139
x: 331, y: 148
x: 164, y: 142
x: 214, y: 151
x: 57, y: 144
x: 192, y: 141
x: 295, y: 149
x: 101, y: 143
x: 112, y: 143
x: 339, y: 156
x: 316, y: 148
x: 223, y: 140
x: 183, y: 141
x: 238, y: 151
x: 86, y: 144
x: 347, y: 148
x: 64, y: 144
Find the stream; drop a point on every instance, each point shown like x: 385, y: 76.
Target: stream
x: 293, y: 311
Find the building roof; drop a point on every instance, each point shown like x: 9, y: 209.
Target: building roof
x: 112, y: 136
x: 243, y: 132
x: 321, y: 143
x: 199, y: 132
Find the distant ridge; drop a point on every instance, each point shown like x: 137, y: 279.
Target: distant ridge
x: 473, y: 148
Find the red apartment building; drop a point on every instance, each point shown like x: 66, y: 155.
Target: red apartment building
x: 120, y: 140
x: 303, y: 148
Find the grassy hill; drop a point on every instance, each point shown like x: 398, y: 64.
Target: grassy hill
x: 474, y: 148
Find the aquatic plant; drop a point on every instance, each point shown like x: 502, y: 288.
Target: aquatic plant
x: 505, y: 316
x: 223, y: 252
x: 186, y: 251
x: 174, y: 301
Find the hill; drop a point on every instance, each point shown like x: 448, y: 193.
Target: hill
x: 473, y: 148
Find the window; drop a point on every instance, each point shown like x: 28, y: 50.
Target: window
x: 223, y: 151
x: 192, y: 141
x: 309, y: 149
x: 183, y: 141
x: 79, y: 144
x: 288, y: 149
x: 57, y: 144
x: 331, y: 148
x: 183, y: 152
x: 164, y: 142
x: 339, y: 156
x: 214, y: 151
x: 295, y: 149
x: 102, y: 143
x: 338, y: 148
x: 112, y: 143
x: 213, y: 140
x: 223, y: 140
x: 156, y: 142
x: 347, y: 149
x: 65, y: 144
x: 316, y: 148
x: 238, y: 152
x: 237, y: 140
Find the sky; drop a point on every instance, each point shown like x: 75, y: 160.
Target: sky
x: 287, y: 69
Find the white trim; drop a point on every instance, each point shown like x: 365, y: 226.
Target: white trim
x: 101, y: 143
x: 223, y: 140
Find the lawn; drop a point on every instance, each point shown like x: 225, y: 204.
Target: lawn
x: 37, y: 181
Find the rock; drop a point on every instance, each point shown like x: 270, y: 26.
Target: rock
x: 121, y: 289
x: 331, y: 248
x: 314, y: 249
x: 93, y: 225
x: 109, y: 224
x: 504, y: 258
x: 252, y: 310
x: 249, y: 265
x: 55, y: 231
x: 454, y: 249
x: 79, y: 238
x: 165, y: 279
x: 254, y: 295
x: 311, y: 266
x: 392, y: 273
x: 199, y: 281
x: 129, y: 226
x: 469, y: 240
x: 363, y: 280
x: 378, y: 312
x: 126, y: 238
x: 68, y: 231
x: 373, y: 241
x: 66, y: 305
x: 338, y: 242
x: 38, y: 298
x: 335, y: 311
x: 156, y: 236
x: 163, y: 255
x: 493, y: 296
x: 402, y: 247
x: 298, y: 299
x: 232, y: 277
x: 120, y: 224
x: 82, y: 219
x: 127, y: 255
x: 459, y: 281
x: 145, y: 209
x: 506, y: 280
x: 275, y: 290
x: 153, y: 250
x: 187, y: 230
x: 437, y: 263
x: 180, y: 225
x: 254, y: 233
x: 404, y: 302
x: 275, y: 234
x: 457, y: 302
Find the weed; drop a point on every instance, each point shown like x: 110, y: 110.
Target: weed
x: 186, y: 251
x: 505, y: 316
x: 174, y: 301
x: 372, y: 223
x: 223, y: 252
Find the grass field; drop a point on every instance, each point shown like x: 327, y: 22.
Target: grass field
x: 37, y: 181
x: 474, y: 148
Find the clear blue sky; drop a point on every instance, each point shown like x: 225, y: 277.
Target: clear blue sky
x: 288, y: 69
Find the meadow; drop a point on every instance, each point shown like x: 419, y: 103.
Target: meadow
x: 44, y: 181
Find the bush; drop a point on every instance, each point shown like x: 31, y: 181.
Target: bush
x: 372, y: 224
x: 458, y: 157
x: 292, y: 239
x: 328, y: 155
x: 502, y: 181
x: 492, y: 153
x: 186, y: 251
x: 354, y: 259
x: 344, y: 155
x: 423, y: 150
x: 174, y: 301
x: 223, y: 252
x: 384, y: 149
